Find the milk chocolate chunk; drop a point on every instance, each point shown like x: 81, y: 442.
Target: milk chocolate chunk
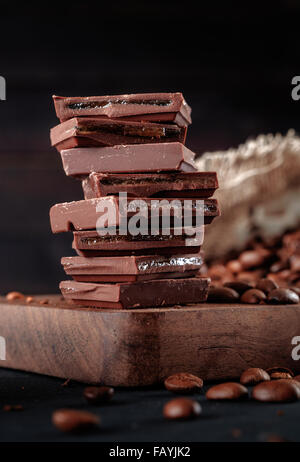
x: 194, y: 184
x: 131, y: 265
x: 156, y: 157
x: 155, y: 293
x: 122, y: 105
x: 92, y: 241
x: 88, y: 131
x: 85, y: 214
x: 133, y: 277
x: 162, y: 250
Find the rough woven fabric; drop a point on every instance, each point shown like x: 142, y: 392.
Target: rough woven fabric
x: 259, y: 190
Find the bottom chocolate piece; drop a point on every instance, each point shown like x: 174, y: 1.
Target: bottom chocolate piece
x: 137, y: 294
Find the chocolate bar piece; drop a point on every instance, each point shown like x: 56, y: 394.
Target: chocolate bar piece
x: 137, y: 294
x: 87, y: 131
x: 164, y: 251
x: 139, y: 104
x: 193, y: 184
x: 135, y: 266
x: 157, y: 157
x: 133, y: 277
x: 85, y: 214
x: 91, y: 240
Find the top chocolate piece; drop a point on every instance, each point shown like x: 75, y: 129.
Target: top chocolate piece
x: 123, y: 106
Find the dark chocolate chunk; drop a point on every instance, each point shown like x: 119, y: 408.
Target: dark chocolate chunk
x: 166, y: 292
x: 93, y: 132
x: 192, y: 184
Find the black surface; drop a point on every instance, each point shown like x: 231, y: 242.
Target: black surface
x: 135, y: 415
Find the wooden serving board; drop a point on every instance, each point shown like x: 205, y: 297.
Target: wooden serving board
x: 143, y: 346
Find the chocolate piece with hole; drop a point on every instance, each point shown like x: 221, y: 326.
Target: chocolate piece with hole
x: 157, y: 157
x: 136, y: 294
x: 191, y: 185
x: 87, y: 131
x: 140, y: 104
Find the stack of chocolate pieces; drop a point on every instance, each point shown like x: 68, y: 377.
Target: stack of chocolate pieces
x: 129, y: 149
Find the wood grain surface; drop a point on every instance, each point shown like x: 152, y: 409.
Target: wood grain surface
x: 143, y: 346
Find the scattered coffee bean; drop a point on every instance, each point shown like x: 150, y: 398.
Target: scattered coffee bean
x: 253, y: 376
x: 280, y: 375
x: 183, y: 383
x: 295, y: 262
x: 29, y: 299
x: 239, y: 286
x: 282, y: 297
x: 273, y: 438
x: 279, y: 369
x: 43, y: 301
x: 14, y: 296
x: 222, y: 295
x: 13, y: 407
x: 236, y: 432
x: 253, y: 296
x: 253, y: 258
x: 266, y: 285
x: 71, y: 420
x: 296, y: 290
x: 181, y: 409
x: 228, y: 390
x: 98, y: 395
x: 234, y: 266
x: 276, y: 391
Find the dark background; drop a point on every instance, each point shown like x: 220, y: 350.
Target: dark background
x: 234, y: 62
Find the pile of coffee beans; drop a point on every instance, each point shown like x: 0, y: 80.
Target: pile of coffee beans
x: 276, y: 384
x: 266, y: 272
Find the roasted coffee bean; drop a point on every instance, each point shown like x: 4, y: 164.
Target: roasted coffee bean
x: 183, y: 383
x: 296, y: 290
x: 13, y: 407
x: 29, y: 299
x: 266, y: 285
x: 278, y: 266
x: 234, y: 266
x: 295, y: 262
x: 253, y: 258
x: 253, y: 296
x: 228, y: 390
x: 276, y: 391
x: 280, y: 375
x: 282, y: 297
x: 181, y: 409
x: 98, y: 395
x: 71, y: 420
x: 276, y: 369
x: 250, y: 277
x: 217, y: 272
x: 14, y: 296
x: 253, y: 376
x: 222, y: 295
x: 239, y: 286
